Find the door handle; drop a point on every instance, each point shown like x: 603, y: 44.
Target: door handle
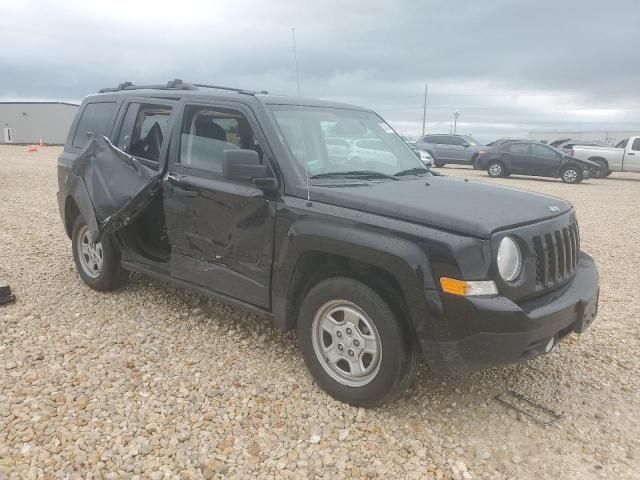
x: 185, y: 193
x: 630, y: 153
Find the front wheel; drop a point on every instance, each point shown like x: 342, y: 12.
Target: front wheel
x: 354, y: 344
x: 436, y: 163
x: 98, y: 263
x: 571, y: 174
x: 603, y: 171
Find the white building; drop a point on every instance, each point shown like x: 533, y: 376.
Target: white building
x: 608, y: 136
x: 30, y: 122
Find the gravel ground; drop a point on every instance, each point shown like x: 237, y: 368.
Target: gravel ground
x: 156, y: 382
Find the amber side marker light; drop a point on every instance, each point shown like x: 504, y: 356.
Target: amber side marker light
x: 468, y: 288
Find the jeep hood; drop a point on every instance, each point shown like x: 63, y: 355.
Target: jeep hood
x: 452, y: 204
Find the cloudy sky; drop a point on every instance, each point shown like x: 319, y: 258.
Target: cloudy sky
x: 508, y: 66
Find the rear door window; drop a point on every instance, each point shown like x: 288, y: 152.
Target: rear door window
x: 519, y: 148
x: 96, y: 118
x: 144, y: 130
x: 636, y: 145
x: 542, y: 151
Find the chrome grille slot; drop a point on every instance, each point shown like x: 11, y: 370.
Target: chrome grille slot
x: 552, y: 259
x: 560, y: 254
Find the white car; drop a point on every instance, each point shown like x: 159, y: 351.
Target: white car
x: 425, y: 157
x: 372, y: 150
x: 338, y: 149
x: 624, y: 157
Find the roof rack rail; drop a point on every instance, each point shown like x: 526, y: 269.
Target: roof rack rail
x: 176, y: 84
x: 231, y: 89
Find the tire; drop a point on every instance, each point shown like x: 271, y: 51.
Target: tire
x: 474, y: 162
x: 496, y: 169
x: 604, y: 169
x: 436, y: 163
x: 338, y: 319
x: 98, y: 266
x: 571, y: 174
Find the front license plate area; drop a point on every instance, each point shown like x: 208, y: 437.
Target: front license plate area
x: 588, y: 312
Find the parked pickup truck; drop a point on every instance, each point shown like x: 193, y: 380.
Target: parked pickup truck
x: 624, y: 157
x: 375, y: 261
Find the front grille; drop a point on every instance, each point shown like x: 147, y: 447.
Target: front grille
x: 556, y: 255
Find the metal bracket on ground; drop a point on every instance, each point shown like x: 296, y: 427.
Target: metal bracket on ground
x: 539, y: 413
x: 5, y: 295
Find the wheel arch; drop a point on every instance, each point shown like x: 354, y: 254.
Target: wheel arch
x: 314, y: 266
x: 600, y: 159
x: 395, y: 268
x: 71, y: 212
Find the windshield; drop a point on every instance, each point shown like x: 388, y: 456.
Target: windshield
x: 342, y: 141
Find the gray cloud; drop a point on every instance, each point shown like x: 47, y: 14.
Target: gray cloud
x: 509, y: 66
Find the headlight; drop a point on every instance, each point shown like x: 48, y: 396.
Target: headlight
x: 509, y: 259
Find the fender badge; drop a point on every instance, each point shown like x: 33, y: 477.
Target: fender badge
x: 554, y: 209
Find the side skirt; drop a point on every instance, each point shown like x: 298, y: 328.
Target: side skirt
x: 138, y: 268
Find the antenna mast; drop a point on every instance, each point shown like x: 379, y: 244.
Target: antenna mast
x: 295, y: 60
x: 424, y: 111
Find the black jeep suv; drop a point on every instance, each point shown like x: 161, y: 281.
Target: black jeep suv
x: 377, y: 262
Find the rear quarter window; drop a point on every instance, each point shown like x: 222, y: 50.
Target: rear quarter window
x: 96, y: 118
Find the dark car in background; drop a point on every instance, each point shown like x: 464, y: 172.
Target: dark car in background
x: 459, y: 149
x: 534, y: 158
x: 500, y: 141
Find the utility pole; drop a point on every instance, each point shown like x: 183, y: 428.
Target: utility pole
x: 456, y: 114
x: 424, y: 111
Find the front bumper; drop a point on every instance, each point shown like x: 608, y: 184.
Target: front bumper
x: 489, y: 331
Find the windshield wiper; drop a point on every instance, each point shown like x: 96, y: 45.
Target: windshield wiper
x: 352, y: 174
x: 411, y: 171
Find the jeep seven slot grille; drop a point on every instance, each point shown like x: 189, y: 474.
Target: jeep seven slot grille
x: 556, y: 255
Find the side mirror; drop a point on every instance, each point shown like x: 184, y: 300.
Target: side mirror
x: 465, y: 145
x: 245, y: 166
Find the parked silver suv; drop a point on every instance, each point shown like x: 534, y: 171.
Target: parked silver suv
x: 444, y: 149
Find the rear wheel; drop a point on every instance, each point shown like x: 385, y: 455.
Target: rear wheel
x: 353, y: 344
x: 571, y: 174
x: 496, y: 169
x: 98, y: 263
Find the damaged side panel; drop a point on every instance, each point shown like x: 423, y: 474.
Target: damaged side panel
x: 111, y: 187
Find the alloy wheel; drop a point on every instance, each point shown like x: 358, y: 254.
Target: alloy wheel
x: 90, y: 254
x: 346, y: 343
x: 570, y: 175
x: 495, y: 169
